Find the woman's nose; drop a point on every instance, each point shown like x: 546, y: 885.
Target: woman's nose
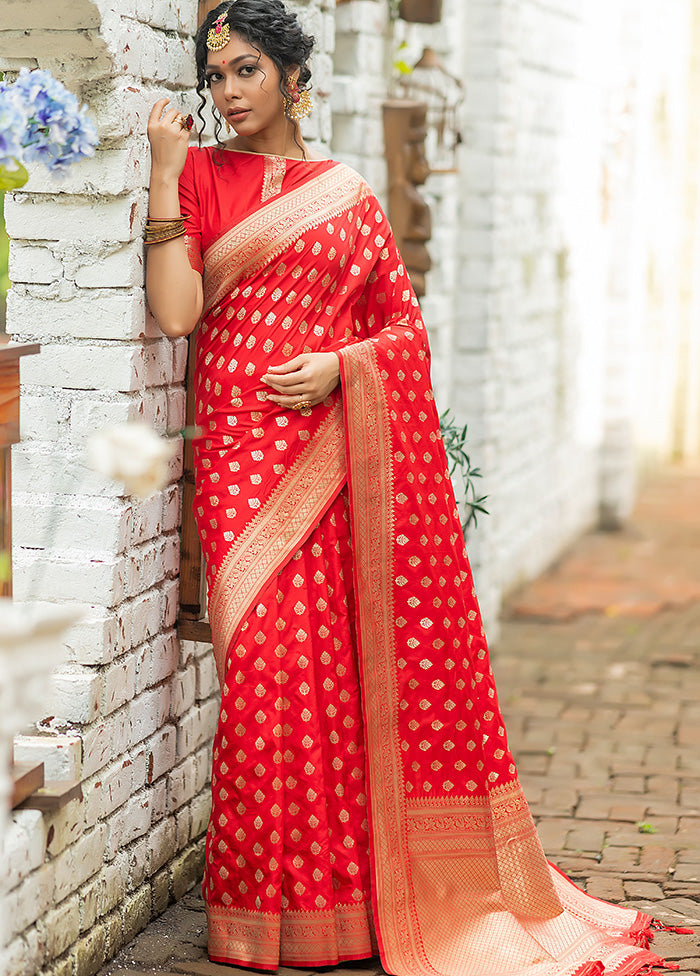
x: 232, y: 87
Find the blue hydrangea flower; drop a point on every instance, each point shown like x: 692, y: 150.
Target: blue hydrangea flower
x: 12, y: 123
x: 56, y: 131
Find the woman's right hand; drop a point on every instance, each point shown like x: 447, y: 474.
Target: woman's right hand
x: 168, y: 139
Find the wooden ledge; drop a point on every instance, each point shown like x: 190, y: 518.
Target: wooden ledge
x: 26, y: 778
x: 194, y: 630
x: 54, y: 794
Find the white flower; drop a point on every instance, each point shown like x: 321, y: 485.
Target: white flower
x: 134, y: 454
x: 31, y: 646
x: 20, y: 625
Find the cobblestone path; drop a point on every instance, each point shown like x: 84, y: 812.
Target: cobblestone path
x: 598, y: 669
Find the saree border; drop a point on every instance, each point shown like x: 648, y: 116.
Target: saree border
x: 266, y: 939
x: 279, y: 528
x: 272, y: 229
x: 370, y: 480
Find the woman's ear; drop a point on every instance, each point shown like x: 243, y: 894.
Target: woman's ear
x: 291, y: 74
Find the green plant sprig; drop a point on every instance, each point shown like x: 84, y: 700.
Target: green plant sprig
x: 454, y: 438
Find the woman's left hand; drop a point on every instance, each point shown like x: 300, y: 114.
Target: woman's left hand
x: 308, y: 378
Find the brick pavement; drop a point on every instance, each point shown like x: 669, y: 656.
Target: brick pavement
x: 603, y: 711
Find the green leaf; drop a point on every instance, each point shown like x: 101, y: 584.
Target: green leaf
x: 646, y: 828
x: 12, y: 179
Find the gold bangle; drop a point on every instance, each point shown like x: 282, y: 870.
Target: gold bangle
x: 162, y: 239
x: 163, y: 229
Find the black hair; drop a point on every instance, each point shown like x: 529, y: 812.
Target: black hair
x: 268, y: 27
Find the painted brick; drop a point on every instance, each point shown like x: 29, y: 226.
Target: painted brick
x: 181, y: 784
x: 138, y: 862
x: 82, y: 579
x: 33, y: 899
x: 136, y: 912
x: 109, y: 172
x: 207, y: 683
x: 60, y: 927
x: 90, y: 952
x: 119, y: 683
x: 159, y: 800
x: 121, y: 266
x: 133, y: 821
x: 75, y: 696
x: 161, y: 752
x: 33, y: 264
x: 24, y: 955
x: 104, y: 740
x: 113, y: 889
x: 161, y: 843
x: 85, y: 366
x: 183, y: 691
x: 39, y: 219
x: 44, y: 416
x: 148, y: 712
x: 80, y: 861
x: 92, y: 524
x: 98, y: 314
x: 64, y: 827
x: 60, y: 754
x: 25, y: 844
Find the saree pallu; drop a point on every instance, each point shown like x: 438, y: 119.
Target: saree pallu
x: 363, y: 790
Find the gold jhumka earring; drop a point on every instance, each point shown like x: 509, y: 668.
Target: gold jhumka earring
x: 298, y: 102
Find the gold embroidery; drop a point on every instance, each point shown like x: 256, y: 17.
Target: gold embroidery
x: 193, y: 251
x: 370, y: 466
x: 272, y: 229
x: 275, y: 172
x: 478, y: 854
x: 278, y: 529
x: 266, y: 939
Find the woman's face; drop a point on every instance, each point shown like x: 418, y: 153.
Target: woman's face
x: 245, y: 87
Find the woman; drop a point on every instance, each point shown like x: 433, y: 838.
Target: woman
x: 363, y: 792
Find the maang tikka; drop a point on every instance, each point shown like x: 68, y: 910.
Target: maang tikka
x: 220, y: 34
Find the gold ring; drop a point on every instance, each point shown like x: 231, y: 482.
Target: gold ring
x: 186, y: 122
x: 302, y: 405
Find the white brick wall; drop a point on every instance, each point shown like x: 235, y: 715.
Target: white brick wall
x: 538, y: 310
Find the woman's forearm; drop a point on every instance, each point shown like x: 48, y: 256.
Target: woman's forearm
x: 173, y: 288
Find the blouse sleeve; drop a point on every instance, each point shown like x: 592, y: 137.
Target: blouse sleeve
x: 189, y: 207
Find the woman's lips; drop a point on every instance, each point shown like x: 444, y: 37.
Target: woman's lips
x: 237, y: 116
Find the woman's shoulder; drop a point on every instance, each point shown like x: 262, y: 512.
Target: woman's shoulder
x: 352, y: 176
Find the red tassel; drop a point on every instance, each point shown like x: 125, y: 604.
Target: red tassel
x: 643, y: 939
x: 591, y: 969
x: 660, y: 927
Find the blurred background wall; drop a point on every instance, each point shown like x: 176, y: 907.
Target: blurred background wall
x: 564, y: 300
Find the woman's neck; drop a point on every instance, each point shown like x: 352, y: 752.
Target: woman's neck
x: 272, y: 144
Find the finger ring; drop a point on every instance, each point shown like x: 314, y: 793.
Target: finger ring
x: 302, y: 405
x: 186, y: 122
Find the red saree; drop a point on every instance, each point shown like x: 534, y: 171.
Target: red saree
x: 363, y: 791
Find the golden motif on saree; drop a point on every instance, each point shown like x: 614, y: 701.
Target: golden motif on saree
x: 278, y: 529
x: 302, y: 938
x: 275, y: 172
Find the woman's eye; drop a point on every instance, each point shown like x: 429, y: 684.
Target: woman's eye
x: 214, y: 76
x: 247, y: 70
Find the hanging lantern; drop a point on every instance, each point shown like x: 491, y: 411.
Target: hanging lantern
x: 432, y: 83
